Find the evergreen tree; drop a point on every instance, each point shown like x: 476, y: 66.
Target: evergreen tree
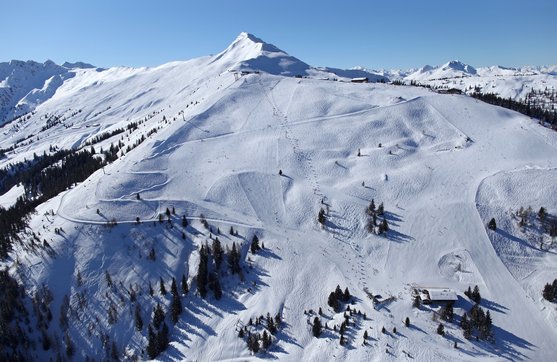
x: 184, y: 221
x: 385, y: 225
x: 346, y: 295
x: 468, y: 292
x: 321, y: 216
x: 447, y: 312
x: 417, y: 302
x: 218, y: 253
x: 69, y: 345
x: 202, y: 272
x: 174, y: 287
x: 380, y: 209
x: 317, y: 328
x: 255, y: 244
x: 407, y: 322
x: 162, y: 287
x: 162, y: 338
x: 333, y: 302
x: 217, y: 289
x: 267, y: 340
x: 253, y: 343
x: 476, y: 297
x: 137, y: 318
x: 152, y: 345
x: 271, y: 326
x: 114, y: 352
x: 234, y: 260
x: 492, y: 225
x: 542, y: 213
x: 365, y: 335
x: 158, y: 316
x: 441, y: 329
x: 175, y: 307
x: 338, y: 292
x: 550, y: 291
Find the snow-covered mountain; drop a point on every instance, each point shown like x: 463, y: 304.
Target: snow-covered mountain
x: 238, y: 146
x: 452, y: 69
x: 516, y: 83
x: 24, y: 85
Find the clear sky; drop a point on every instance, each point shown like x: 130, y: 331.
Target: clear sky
x: 374, y: 34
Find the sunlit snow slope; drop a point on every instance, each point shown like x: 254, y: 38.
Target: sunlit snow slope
x: 446, y: 165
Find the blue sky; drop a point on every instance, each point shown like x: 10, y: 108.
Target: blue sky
x: 375, y: 34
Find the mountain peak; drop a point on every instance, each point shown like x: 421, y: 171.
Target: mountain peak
x: 249, y: 53
x: 459, y: 66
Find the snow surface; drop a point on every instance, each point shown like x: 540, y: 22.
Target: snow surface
x: 447, y: 165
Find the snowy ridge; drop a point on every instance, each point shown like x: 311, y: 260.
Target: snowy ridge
x: 443, y: 165
x: 24, y: 85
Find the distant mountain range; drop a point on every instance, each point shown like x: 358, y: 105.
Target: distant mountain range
x: 24, y: 85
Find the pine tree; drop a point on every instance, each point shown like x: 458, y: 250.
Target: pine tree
x: 476, y: 297
x: 162, y: 287
x: 417, y: 302
x: 380, y: 209
x: 338, y: 292
x: 158, y: 316
x: 202, y: 272
x: 152, y: 345
x: 253, y: 343
x: 175, y: 307
x: 542, y: 213
x: 385, y: 225
x: 365, y: 335
x: 137, y: 318
x: 447, y: 312
x: 173, y: 287
x: 271, y: 326
x: 162, y: 338
x: 492, y: 225
x: 151, y: 292
x: 317, y: 328
x: 407, y: 322
x: 441, y: 329
x: 218, y: 253
x: 69, y: 345
x: 217, y: 289
x: 234, y: 260
x: 114, y: 352
x: 184, y: 221
x: 267, y: 340
x: 468, y: 292
x: 333, y: 302
x: 255, y: 244
x: 346, y: 295
x: 321, y: 216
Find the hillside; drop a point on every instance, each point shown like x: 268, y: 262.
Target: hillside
x: 236, y: 141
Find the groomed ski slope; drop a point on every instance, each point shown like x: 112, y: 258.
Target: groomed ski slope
x: 221, y: 157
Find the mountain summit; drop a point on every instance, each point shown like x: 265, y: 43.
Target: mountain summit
x: 249, y: 53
